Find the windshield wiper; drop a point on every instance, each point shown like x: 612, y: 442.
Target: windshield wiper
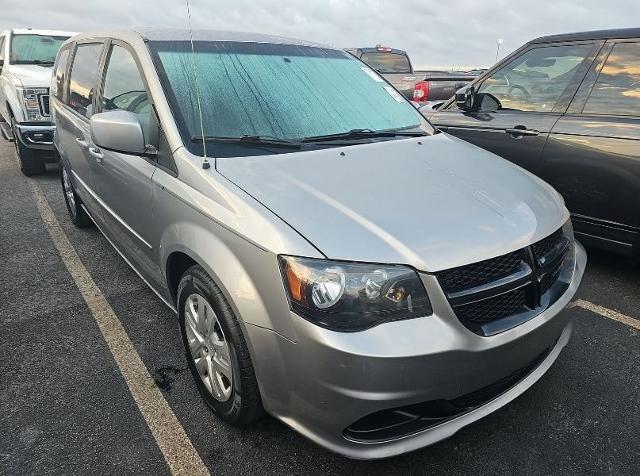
x: 250, y: 140
x: 363, y: 134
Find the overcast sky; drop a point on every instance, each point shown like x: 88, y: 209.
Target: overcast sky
x: 442, y: 32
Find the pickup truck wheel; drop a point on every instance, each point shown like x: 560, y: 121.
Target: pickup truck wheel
x: 30, y: 163
x: 78, y: 216
x: 216, y: 350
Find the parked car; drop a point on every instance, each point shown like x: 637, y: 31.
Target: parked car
x: 26, y: 60
x: 567, y: 108
x: 371, y: 282
x: 425, y: 88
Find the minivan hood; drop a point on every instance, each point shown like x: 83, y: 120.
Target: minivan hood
x: 32, y: 75
x: 432, y: 202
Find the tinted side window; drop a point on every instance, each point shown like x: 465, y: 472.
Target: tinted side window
x: 124, y: 88
x: 1, y: 48
x: 84, y: 73
x: 535, y: 80
x: 60, y: 73
x: 387, y: 62
x: 617, y: 89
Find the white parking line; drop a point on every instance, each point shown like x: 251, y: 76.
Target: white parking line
x: 171, y: 438
x: 608, y: 313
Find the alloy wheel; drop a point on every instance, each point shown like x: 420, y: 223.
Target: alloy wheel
x: 208, y: 347
x: 68, y: 190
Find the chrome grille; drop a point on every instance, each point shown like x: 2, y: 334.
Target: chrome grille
x: 43, y: 100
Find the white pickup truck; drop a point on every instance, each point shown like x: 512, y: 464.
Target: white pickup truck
x: 26, y: 63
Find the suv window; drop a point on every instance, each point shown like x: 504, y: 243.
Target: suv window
x: 84, y: 73
x: 1, y: 48
x: 124, y: 88
x: 535, y: 80
x: 617, y: 89
x: 60, y: 73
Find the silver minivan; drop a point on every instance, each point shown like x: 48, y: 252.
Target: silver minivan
x: 332, y: 258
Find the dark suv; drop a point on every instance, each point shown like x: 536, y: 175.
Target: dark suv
x: 567, y: 108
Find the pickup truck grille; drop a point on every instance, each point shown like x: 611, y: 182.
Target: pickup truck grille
x: 43, y: 100
x: 497, y: 294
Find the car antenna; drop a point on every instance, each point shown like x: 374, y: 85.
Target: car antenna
x: 205, y: 162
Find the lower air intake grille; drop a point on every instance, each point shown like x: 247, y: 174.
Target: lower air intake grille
x: 395, y: 423
x: 497, y: 294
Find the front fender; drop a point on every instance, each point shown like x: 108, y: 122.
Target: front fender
x: 247, y: 275
x: 12, y: 100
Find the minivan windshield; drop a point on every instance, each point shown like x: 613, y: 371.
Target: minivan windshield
x: 35, y: 49
x: 279, y: 92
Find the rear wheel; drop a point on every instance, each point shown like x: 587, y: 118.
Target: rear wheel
x: 78, y: 216
x: 30, y: 163
x: 216, y: 350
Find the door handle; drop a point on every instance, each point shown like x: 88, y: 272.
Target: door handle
x: 521, y: 131
x: 82, y: 143
x: 96, y: 154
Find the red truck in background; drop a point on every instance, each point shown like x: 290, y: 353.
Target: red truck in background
x: 422, y: 87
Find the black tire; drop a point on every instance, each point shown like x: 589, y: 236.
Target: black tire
x: 244, y: 406
x: 78, y: 216
x: 30, y: 163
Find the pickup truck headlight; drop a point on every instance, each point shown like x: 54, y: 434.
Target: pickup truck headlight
x: 349, y: 297
x: 31, y: 103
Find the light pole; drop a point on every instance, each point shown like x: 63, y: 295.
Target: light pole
x: 499, y: 42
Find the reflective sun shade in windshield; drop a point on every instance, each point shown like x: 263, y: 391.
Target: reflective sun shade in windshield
x: 27, y: 49
x: 282, y: 91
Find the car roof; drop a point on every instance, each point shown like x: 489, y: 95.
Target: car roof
x: 590, y: 35
x: 33, y: 31
x: 174, y: 34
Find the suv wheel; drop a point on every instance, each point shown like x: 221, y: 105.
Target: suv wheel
x: 78, y: 216
x: 216, y: 350
x: 30, y: 163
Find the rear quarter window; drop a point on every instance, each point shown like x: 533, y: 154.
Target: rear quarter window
x: 617, y: 89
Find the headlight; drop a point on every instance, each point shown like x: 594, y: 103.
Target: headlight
x: 30, y: 100
x: 352, y: 296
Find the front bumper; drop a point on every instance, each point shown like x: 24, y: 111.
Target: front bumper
x: 36, y: 136
x: 325, y: 382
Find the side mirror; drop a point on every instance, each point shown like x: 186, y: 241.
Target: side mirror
x: 486, y: 102
x: 466, y: 98
x: 119, y: 131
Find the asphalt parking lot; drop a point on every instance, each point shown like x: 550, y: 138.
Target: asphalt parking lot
x: 66, y: 406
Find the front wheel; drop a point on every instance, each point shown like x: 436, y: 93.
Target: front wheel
x: 216, y: 350
x: 30, y: 163
x: 78, y: 216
